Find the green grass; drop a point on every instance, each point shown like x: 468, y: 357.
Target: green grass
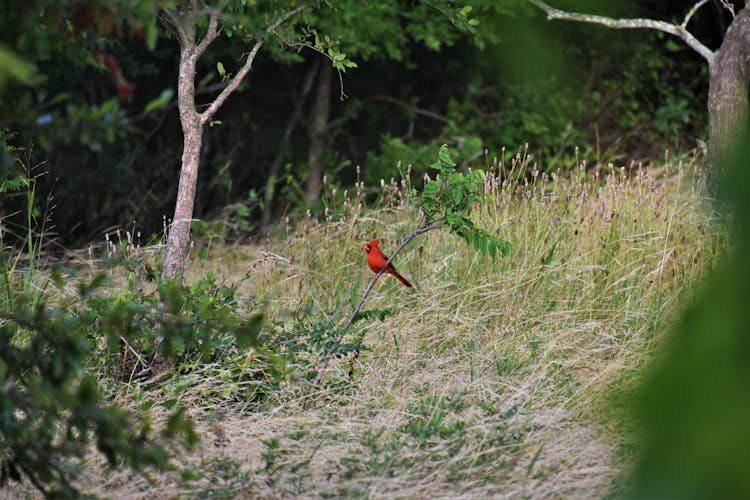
x: 504, y: 377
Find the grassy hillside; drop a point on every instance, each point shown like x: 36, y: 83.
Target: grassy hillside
x: 505, y: 377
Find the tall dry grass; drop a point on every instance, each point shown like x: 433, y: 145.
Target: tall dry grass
x: 502, y: 377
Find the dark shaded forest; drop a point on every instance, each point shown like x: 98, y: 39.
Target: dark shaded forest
x: 106, y: 160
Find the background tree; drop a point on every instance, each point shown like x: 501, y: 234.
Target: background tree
x: 111, y: 162
x: 728, y: 69
x: 394, y: 29
x: 185, y: 24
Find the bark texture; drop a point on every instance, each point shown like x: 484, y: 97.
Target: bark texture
x: 193, y: 122
x: 678, y: 30
x: 178, y: 239
x: 728, y: 94
x: 185, y: 25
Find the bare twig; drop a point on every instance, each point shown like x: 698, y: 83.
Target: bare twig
x: 673, y: 29
x: 729, y: 6
x: 412, y: 108
x: 137, y: 357
x: 237, y: 79
x: 327, y: 358
x: 692, y: 12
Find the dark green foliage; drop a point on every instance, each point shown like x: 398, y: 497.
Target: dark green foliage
x: 696, y: 403
x: 435, y: 417
x: 112, y: 162
x: 51, y: 409
x: 53, y: 406
x: 451, y: 196
x: 62, y: 335
x: 305, y: 342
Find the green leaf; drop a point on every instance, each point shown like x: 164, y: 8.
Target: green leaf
x: 446, y: 161
x: 672, y: 46
x: 13, y: 67
x: 152, y: 34
x: 162, y: 100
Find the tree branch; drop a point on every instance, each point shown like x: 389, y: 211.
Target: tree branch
x: 409, y: 107
x: 692, y: 12
x: 729, y: 6
x: 174, y: 21
x: 342, y: 332
x: 323, y: 52
x: 237, y: 79
x: 211, y: 35
x: 673, y: 29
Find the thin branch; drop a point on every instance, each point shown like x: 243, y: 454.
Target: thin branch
x: 342, y: 332
x: 305, y: 45
x: 232, y: 86
x: 672, y: 29
x: 342, y: 94
x: 211, y: 35
x: 410, y: 107
x: 729, y: 6
x: 692, y: 12
x: 137, y: 356
x: 237, y: 79
x: 174, y: 21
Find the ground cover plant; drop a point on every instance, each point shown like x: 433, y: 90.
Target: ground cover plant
x: 508, y: 376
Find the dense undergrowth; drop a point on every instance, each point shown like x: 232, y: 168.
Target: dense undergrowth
x: 507, y: 376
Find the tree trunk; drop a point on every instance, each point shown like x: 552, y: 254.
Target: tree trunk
x: 178, y: 240
x: 318, y: 127
x: 273, y: 170
x: 728, y: 94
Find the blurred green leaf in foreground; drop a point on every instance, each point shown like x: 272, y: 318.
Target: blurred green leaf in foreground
x: 695, y: 404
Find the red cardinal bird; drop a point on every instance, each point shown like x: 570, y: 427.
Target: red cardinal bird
x: 376, y: 260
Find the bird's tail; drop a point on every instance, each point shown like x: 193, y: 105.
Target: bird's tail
x: 400, y: 278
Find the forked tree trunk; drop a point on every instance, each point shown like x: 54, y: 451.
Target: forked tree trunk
x: 185, y: 26
x: 184, y: 23
x: 178, y: 239
x: 728, y: 94
x: 318, y: 127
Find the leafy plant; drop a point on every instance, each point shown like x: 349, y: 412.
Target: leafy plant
x: 52, y: 410
x: 59, y: 342
x: 451, y: 196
